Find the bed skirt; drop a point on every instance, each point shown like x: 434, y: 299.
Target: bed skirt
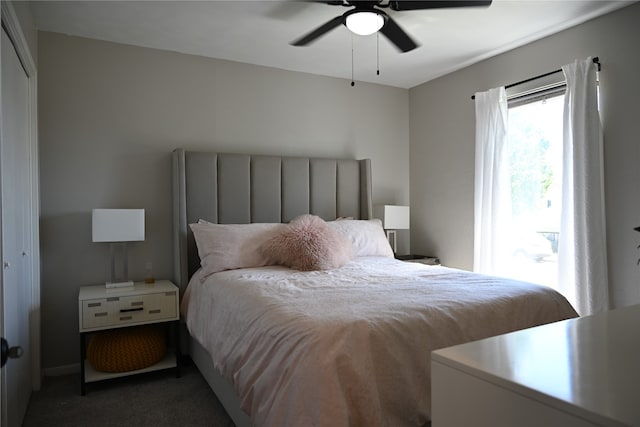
x: 221, y: 387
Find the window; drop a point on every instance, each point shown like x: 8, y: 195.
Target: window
x: 535, y: 166
x: 522, y: 171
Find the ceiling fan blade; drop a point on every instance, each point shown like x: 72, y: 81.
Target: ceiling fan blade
x: 397, y: 35
x: 321, y: 30
x: 435, y: 4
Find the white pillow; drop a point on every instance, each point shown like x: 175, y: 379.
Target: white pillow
x: 366, y: 235
x: 231, y: 246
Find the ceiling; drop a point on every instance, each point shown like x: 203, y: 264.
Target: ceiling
x: 260, y: 32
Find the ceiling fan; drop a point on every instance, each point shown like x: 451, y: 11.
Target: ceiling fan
x: 367, y: 17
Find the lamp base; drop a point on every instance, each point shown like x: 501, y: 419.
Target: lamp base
x: 119, y: 284
x: 391, y: 236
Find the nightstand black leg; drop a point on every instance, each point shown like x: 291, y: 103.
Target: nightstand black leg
x: 83, y: 354
x: 177, y: 338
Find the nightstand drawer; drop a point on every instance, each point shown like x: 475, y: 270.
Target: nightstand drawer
x: 129, y: 309
x: 141, y: 305
x: 95, y: 313
x: 163, y: 306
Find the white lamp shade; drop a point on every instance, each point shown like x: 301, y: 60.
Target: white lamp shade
x: 364, y: 23
x: 394, y: 217
x: 118, y: 225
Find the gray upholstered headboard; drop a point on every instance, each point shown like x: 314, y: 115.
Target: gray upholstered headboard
x: 241, y: 188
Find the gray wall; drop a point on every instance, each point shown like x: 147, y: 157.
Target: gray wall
x: 111, y: 114
x: 442, y: 127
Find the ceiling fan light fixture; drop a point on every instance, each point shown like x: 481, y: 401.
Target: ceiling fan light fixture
x: 364, y: 23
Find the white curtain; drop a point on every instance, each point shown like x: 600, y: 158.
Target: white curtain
x: 492, y: 182
x: 582, y: 257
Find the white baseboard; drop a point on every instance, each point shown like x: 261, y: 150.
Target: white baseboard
x: 57, y: 371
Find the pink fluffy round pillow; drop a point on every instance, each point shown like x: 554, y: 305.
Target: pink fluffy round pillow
x: 308, y: 243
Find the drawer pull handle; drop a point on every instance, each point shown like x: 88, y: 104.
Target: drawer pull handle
x: 125, y: 317
x: 113, y: 299
x: 170, y: 294
x: 154, y: 311
x: 94, y: 304
x: 127, y: 310
x: 135, y: 303
x: 100, y: 314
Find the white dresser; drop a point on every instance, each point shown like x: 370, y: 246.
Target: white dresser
x: 578, y: 372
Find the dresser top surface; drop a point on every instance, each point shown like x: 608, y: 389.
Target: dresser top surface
x: 589, y: 365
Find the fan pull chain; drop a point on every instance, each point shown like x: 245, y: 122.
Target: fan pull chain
x: 352, y: 82
x: 378, y: 53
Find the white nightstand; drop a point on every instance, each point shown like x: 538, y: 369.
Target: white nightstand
x: 422, y: 259
x: 100, y: 309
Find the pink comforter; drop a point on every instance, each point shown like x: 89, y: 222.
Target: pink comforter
x: 350, y: 346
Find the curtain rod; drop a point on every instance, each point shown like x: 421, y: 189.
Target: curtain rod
x: 596, y: 61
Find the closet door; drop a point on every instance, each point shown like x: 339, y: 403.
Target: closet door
x: 15, y: 176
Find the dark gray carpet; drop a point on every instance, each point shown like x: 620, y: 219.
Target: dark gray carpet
x: 156, y: 399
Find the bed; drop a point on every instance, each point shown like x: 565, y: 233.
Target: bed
x: 326, y: 347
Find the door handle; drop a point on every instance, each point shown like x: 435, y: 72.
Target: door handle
x: 9, y: 352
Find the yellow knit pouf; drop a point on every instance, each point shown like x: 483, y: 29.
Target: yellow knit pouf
x: 123, y: 350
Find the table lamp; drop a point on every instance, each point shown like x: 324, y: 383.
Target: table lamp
x: 393, y: 218
x: 117, y: 227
